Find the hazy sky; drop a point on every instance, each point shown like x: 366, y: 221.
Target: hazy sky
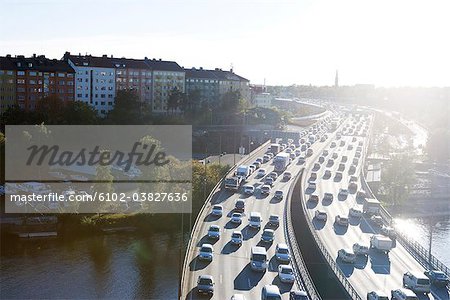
x: 383, y: 42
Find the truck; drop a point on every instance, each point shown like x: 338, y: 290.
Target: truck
x: 243, y: 171
x: 275, y: 148
x: 371, y: 206
x: 281, y: 161
x: 233, y: 183
x: 381, y: 243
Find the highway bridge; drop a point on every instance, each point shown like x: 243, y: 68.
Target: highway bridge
x: 230, y: 266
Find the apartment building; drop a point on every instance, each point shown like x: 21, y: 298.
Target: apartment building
x: 35, y: 77
x: 213, y: 84
x: 7, y: 84
x: 95, y: 81
x: 134, y: 75
x: 167, y: 77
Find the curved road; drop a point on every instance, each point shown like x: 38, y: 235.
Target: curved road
x: 377, y: 271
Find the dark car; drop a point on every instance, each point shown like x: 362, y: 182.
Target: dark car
x: 437, y: 278
x: 298, y: 295
x: 205, y: 284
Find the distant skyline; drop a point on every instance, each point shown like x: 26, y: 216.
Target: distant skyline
x: 385, y: 42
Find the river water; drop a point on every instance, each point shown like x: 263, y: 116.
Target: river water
x: 112, y: 266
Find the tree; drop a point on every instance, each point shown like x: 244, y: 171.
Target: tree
x: 80, y: 113
x: 175, y: 99
x: 103, y: 186
x: 128, y: 109
x: 397, y: 179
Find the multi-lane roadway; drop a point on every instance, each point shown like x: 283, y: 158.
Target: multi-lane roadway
x: 376, y: 271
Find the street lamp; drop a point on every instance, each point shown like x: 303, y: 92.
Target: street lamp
x: 250, y: 142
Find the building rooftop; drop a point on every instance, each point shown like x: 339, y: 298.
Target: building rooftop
x: 37, y: 63
x: 217, y: 74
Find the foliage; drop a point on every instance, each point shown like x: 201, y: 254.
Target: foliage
x: 128, y: 109
x: 397, y: 179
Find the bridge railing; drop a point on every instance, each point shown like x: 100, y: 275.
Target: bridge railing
x: 420, y: 253
x: 301, y: 272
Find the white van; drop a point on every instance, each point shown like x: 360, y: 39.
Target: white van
x: 255, y: 220
x: 258, y: 259
x: 416, y: 282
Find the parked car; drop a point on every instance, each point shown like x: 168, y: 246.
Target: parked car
x: 403, y: 294
x: 205, y: 284
x: 437, y: 278
x: 341, y: 220
x: 286, y: 274
x: 346, y: 255
x: 236, y: 237
x: 206, y: 252
x: 282, y: 253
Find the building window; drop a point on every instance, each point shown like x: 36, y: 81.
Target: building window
x: 61, y: 75
x: 20, y: 81
x: 33, y: 73
x: 20, y: 73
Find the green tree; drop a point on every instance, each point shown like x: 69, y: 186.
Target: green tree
x: 80, y: 113
x: 397, y: 179
x: 128, y: 109
x: 103, y: 185
x: 175, y: 100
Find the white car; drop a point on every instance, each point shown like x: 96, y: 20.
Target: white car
x: 359, y: 249
x: 341, y: 220
x: 377, y: 295
x: 214, y: 232
x: 261, y: 172
x: 403, y: 294
x: 248, y: 189
x: 217, y: 210
x: 238, y: 297
x: 236, y: 218
x: 252, y: 168
x: 282, y: 253
x: 312, y: 186
x: 346, y: 256
x: 417, y: 282
x: 388, y: 231
x: 356, y: 211
x: 206, y: 252
x: 320, y: 215
x: 236, y: 237
x: 255, y: 219
x: 286, y: 274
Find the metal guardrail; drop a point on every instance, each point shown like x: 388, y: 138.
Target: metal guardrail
x: 334, y: 267
x: 202, y: 209
x: 299, y: 264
